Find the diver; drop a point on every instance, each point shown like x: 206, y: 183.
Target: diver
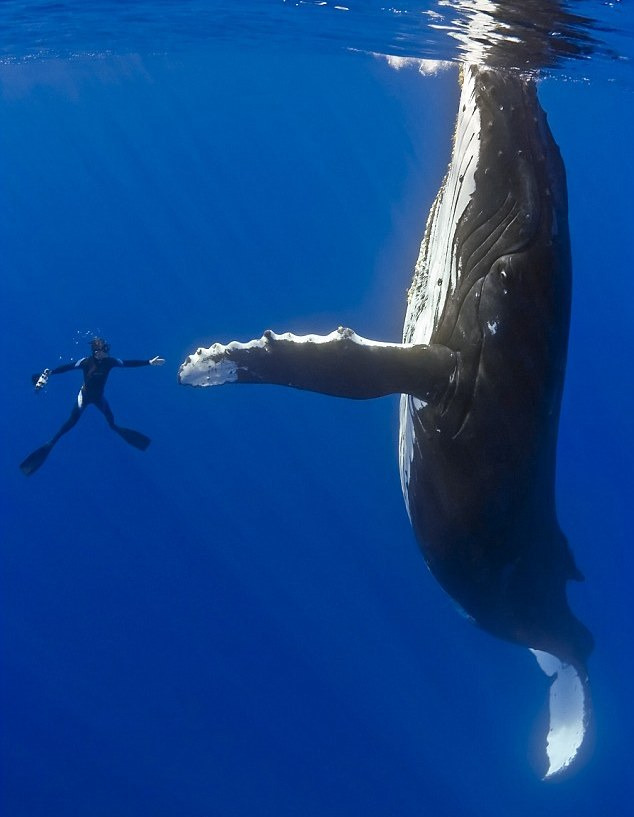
x: 96, y: 369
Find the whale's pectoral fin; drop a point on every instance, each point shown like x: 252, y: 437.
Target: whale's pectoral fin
x: 341, y: 364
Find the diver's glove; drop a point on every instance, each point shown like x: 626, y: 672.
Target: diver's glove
x: 157, y: 361
x: 42, y: 380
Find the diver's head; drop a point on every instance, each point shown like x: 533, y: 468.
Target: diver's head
x: 100, y: 348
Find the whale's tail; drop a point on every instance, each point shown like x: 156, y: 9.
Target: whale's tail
x: 569, y: 711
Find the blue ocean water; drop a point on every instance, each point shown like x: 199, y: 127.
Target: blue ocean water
x: 238, y: 621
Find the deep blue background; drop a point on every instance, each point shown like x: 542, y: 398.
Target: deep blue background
x: 238, y: 621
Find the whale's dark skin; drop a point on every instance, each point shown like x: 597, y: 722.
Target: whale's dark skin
x: 481, y: 372
x: 484, y: 392
x: 481, y: 482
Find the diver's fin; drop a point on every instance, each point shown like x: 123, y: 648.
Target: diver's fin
x: 134, y: 438
x: 35, y: 460
x: 341, y: 364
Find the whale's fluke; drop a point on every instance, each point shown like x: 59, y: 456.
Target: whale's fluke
x: 569, y: 712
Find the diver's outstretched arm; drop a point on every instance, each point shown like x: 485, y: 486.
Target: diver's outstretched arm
x: 41, y: 379
x: 67, y: 367
x: 341, y: 364
x: 130, y: 364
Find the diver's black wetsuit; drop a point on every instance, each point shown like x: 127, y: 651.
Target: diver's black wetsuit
x: 95, y: 371
x: 95, y: 375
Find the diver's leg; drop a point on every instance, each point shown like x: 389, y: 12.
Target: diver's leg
x: 37, y: 457
x: 341, y: 364
x: 132, y: 437
x: 75, y: 414
x: 104, y: 408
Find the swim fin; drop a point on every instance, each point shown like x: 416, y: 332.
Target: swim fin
x: 35, y: 460
x: 134, y: 438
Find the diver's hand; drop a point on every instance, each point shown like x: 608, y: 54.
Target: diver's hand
x: 157, y: 361
x: 42, y: 379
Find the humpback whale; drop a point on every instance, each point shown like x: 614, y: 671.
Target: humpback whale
x: 480, y: 372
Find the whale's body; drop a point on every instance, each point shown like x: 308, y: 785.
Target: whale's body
x: 481, y: 371
x: 493, y: 284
